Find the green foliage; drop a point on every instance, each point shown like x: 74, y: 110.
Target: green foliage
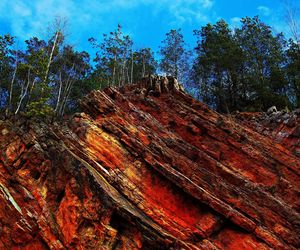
x: 241, y: 69
x: 72, y: 68
x: 293, y: 71
x: 219, y: 60
x: 144, y: 63
x: 39, y: 80
x: 173, y: 54
x: 7, y: 62
x: 40, y: 109
x: 113, y: 56
x: 5, y: 42
x: 117, y: 63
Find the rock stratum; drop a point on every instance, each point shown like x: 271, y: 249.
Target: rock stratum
x: 148, y: 167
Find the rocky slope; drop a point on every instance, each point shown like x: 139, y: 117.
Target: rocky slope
x: 282, y: 126
x: 146, y: 167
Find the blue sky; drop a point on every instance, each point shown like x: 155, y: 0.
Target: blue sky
x: 146, y: 21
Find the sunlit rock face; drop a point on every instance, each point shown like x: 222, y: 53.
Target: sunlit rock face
x: 146, y: 167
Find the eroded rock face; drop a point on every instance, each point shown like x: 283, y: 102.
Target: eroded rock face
x: 146, y: 171
x: 282, y: 126
x: 155, y: 85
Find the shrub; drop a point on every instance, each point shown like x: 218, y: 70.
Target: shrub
x: 40, y: 109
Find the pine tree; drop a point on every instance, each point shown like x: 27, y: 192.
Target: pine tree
x: 217, y: 66
x: 240, y: 69
x: 264, y: 58
x: 293, y: 72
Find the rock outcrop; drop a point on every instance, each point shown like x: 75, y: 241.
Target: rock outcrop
x: 281, y: 126
x: 146, y: 167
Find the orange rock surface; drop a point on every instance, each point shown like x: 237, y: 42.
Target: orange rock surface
x: 147, y: 167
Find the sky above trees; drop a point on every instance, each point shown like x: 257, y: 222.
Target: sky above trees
x: 146, y: 21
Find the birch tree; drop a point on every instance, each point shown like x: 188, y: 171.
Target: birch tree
x: 292, y: 20
x: 71, y: 68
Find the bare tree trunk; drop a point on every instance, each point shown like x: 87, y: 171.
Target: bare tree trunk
x: 65, y: 98
x: 63, y: 95
x: 24, y: 92
x: 127, y: 74
x: 131, y: 70
x: 114, y: 70
x: 51, y: 57
x: 144, y: 68
x: 64, y: 104
x: 31, y: 89
x: 176, y: 68
x: 59, y: 92
x: 9, y: 108
x: 291, y: 19
x: 123, y: 71
x: 119, y: 79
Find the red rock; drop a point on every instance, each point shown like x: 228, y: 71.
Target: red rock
x: 148, y: 170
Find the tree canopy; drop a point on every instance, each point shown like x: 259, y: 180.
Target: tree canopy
x: 244, y: 68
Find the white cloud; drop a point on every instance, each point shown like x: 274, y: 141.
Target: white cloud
x: 21, y: 9
x: 178, y: 11
x: 88, y: 18
x: 235, y: 21
x: 207, y: 3
x: 28, y: 18
x: 191, y: 11
x: 264, y: 10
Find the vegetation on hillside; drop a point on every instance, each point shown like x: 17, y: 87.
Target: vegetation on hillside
x: 246, y: 68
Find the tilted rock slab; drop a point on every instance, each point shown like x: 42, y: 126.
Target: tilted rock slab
x: 146, y: 171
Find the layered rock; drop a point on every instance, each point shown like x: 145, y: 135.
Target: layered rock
x: 146, y: 167
x: 282, y: 126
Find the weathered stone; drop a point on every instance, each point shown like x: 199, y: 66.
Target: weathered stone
x: 142, y: 171
x: 281, y: 126
x: 164, y: 85
x: 272, y: 110
x: 5, y: 131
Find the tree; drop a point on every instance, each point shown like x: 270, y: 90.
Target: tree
x: 293, y: 71
x: 71, y: 68
x: 292, y: 21
x: 240, y: 69
x: 8, y: 65
x: 217, y: 66
x: 144, y: 63
x: 264, y: 58
x: 113, y: 56
x: 37, y: 78
x: 126, y: 58
x: 173, y: 52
